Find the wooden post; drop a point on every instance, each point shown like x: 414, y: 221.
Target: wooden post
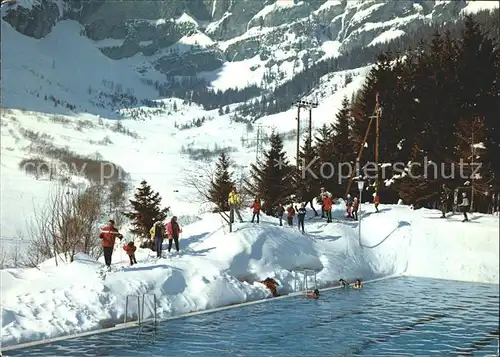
x: 472, y: 163
x: 310, y: 124
x: 375, y: 116
x: 298, y: 135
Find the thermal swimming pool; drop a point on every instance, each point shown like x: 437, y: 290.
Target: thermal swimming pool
x: 400, y: 317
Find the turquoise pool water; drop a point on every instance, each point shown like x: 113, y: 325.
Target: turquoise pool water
x: 394, y: 317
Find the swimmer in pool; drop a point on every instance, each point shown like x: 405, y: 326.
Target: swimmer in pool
x: 313, y: 295
x: 357, y: 284
x: 343, y: 283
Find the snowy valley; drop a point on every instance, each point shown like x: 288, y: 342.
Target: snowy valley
x: 152, y: 92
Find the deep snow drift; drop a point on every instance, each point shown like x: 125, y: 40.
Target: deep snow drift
x: 218, y: 268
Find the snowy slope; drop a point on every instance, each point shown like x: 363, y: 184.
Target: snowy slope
x: 158, y: 139
x: 218, y: 268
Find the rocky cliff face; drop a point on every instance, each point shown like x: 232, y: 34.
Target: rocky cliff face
x: 230, y: 30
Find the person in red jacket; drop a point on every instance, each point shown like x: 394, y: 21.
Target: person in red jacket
x: 290, y: 214
x: 355, y: 206
x: 130, y: 248
x: 327, y: 204
x: 173, y: 232
x: 108, y: 236
x: 256, y: 209
x: 376, y: 202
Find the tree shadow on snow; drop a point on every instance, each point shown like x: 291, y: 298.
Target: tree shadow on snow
x: 325, y: 238
x: 197, y: 253
x: 150, y: 267
x: 185, y: 242
x: 401, y: 224
x: 364, y: 215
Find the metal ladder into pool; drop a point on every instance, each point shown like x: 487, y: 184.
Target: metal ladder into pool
x: 306, y: 273
x: 147, y: 326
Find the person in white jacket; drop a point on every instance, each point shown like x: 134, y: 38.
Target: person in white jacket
x: 464, y: 206
x: 322, y: 195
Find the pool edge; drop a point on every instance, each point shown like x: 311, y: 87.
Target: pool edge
x: 136, y: 324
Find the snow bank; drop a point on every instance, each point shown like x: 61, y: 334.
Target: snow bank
x: 218, y: 268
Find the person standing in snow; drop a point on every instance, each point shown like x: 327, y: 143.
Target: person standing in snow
x: 322, y: 196
x: 445, y: 196
x: 464, y: 206
x: 348, y: 205
x: 130, y: 248
x: 158, y: 235
x: 355, y: 206
x: 327, y: 206
x: 173, y: 231
x: 256, y: 209
x: 376, y: 201
x: 280, y: 211
x: 301, y: 215
x: 108, y: 236
x: 455, y: 200
x: 290, y: 214
x: 234, y: 200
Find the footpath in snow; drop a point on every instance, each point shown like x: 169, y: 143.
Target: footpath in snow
x: 215, y: 267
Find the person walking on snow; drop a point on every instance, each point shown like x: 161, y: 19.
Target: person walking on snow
x: 376, y: 201
x: 290, y: 214
x: 301, y: 215
x: 327, y: 206
x: 464, y: 206
x: 256, y: 209
x: 322, y: 196
x: 355, y: 206
x: 108, y: 236
x: 445, y: 196
x: 234, y: 200
x: 280, y: 211
x: 130, y: 248
x: 158, y: 235
x: 173, y: 231
x: 348, y: 206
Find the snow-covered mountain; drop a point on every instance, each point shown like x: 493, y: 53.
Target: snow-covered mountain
x: 70, y: 68
x: 272, y: 40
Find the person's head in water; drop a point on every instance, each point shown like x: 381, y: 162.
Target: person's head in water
x: 316, y: 292
x: 357, y: 283
x: 343, y: 283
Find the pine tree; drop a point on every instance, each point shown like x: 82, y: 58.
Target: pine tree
x: 343, y: 147
x: 146, y: 210
x: 222, y: 183
x: 323, y: 148
x: 221, y: 111
x: 227, y: 110
x: 271, y: 179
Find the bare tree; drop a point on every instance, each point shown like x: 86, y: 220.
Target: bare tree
x: 67, y: 224
x: 199, y: 177
x: 117, y: 200
x: 4, y: 257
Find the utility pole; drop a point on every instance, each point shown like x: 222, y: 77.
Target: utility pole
x: 257, y: 140
x: 377, y: 113
x: 305, y: 105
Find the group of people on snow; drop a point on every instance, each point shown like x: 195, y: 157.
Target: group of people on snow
x: 159, y: 232
x: 352, y: 205
x: 445, y: 197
